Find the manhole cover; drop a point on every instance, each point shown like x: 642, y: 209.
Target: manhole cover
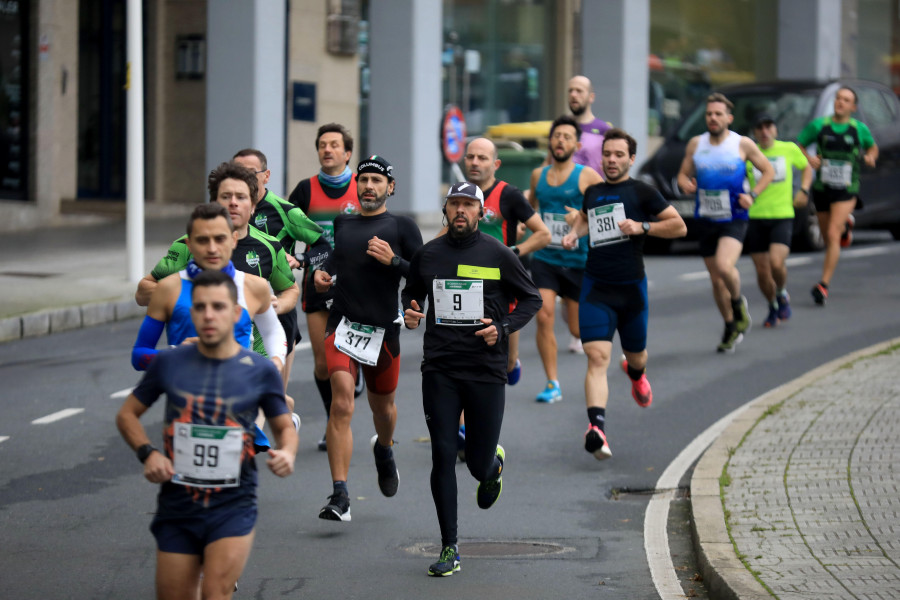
x: 497, y: 549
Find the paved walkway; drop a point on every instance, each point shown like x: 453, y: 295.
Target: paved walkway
x: 810, y: 486
x: 807, y: 474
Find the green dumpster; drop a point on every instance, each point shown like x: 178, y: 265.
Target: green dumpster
x: 516, y: 165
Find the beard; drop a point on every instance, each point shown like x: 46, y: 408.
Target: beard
x: 375, y: 204
x: 578, y: 109
x: 460, y: 231
x: 564, y: 157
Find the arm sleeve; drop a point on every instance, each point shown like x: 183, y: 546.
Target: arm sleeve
x: 329, y: 262
x: 144, y: 349
x: 175, y: 260
x: 410, y: 242
x: 272, y: 333
x: 300, y: 196
x: 415, y: 286
x: 316, y: 255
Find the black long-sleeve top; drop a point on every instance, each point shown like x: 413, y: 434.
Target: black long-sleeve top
x: 456, y: 350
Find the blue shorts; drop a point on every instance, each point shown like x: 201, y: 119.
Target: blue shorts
x: 190, y: 534
x: 604, y: 308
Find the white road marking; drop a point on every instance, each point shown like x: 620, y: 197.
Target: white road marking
x: 862, y: 252
x: 797, y: 261
x: 121, y: 394
x: 3, y: 438
x: 57, y: 416
x: 656, y: 538
x: 303, y: 346
x: 695, y: 276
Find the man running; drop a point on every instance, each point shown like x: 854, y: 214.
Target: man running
x: 372, y: 253
x: 557, y: 189
x: 470, y: 279
x: 289, y: 225
x: 840, y: 140
x: 322, y: 197
x: 772, y: 216
x: 617, y: 216
x: 206, y: 508
x: 718, y: 160
x: 581, y: 99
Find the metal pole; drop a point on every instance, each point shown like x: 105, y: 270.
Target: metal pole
x: 134, y: 152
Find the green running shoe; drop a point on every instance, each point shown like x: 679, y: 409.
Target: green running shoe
x: 489, y: 490
x: 447, y: 564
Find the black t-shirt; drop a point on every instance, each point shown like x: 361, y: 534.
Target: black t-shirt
x: 621, y: 262
x: 366, y: 290
x: 455, y: 350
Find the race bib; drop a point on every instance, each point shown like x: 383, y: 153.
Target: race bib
x: 458, y: 302
x: 779, y: 164
x: 604, y: 224
x: 327, y: 231
x: 558, y: 227
x: 836, y: 173
x: 360, y: 342
x: 207, y: 456
x: 714, y: 204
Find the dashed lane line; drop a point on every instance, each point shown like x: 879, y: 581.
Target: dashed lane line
x: 58, y: 416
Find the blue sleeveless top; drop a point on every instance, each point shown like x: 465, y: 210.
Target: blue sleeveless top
x: 720, y: 179
x: 179, y: 327
x: 553, y: 201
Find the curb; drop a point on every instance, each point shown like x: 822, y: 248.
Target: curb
x: 726, y: 577
x: 55, y: 320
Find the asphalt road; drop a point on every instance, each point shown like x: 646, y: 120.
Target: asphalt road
x: 74, y: 509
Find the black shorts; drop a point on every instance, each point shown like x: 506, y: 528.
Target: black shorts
x: 182, y: 534
x: 312, y: 301
x: 710, y: 232
x: 565, y: 281
x: 762, y: 233
x: 822, y: 199
x: 291, y: 329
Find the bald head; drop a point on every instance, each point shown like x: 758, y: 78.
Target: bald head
x: 581, y: 96
x: 481, y: 162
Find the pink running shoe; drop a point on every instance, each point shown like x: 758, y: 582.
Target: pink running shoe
x: 595, y: 443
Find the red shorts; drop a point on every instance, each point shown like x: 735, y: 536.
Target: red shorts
x: 382, y: 378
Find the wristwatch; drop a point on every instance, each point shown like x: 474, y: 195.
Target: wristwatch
x: 145, y: 451
x: 805, y: 191
x: 646, y: 227
x: 395, y: 261
x: 515, y: 250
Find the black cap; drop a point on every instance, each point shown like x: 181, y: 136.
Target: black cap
x: 376, y: 164
x: 762, y: 119
x: 464, y: 189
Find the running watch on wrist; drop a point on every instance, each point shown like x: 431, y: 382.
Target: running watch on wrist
x: 144, y: 452
x: 395, y: 261
x: 646, y: 227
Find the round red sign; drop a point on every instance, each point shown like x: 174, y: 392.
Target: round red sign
x: 453, y: 134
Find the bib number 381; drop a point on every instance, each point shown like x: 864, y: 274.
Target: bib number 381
x: 207, y: 456
x: 458, y: 302
x: 604, y: 224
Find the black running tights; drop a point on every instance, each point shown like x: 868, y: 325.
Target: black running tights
x: 443, y: 399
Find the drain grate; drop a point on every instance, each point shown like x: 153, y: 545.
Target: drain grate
x: 498, y: 549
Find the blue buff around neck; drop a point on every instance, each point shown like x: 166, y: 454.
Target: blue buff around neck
x: 193, y: 269
x: 336, y: 181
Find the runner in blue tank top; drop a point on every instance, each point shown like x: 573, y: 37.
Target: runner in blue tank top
x: 556, y: 191
x: 714, y: 168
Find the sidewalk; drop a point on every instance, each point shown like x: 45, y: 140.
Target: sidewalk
x: 800, y: 496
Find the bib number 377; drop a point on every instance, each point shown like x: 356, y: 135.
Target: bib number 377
x: 358, y: 341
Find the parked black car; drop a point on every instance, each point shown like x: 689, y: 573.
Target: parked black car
x: 793, y: 104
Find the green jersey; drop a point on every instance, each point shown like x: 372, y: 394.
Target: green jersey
x: 285, y: 222
x: 777, y: 200
x: 840, y: 145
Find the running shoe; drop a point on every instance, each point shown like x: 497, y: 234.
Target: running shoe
x: 447, y: 564
x: 575, y: 346
x: 388, y: 475
x: 295, y: 418
x: 551, y: 393
x: 819, y: 294
x: 784, y: 306
x: 512, y: 378
x: 847, y: 236
x: 641, y: 392
x: 461, y: 443
x: 489, y: 490
x: 360, y: 385
x: 772, y: 318
x: 337, y: 509
x: 742, y: 320
x: 323, y: 444
x: 595, y: 443
x: 730, y: 339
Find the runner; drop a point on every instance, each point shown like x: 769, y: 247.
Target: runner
x: 718, y: 159
x: 330, y: 193
x: 470, y: 279
x: 206, y: 508
x: 210, y: 240
x: 772, y: 216
x: 289, y: 225
x: 840, y: 140
x: 617, y: 215
x: 556, y: 190
x: 371, y: 255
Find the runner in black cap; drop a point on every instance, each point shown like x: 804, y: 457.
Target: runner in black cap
x: 372, y: 252
x: 469, y: 279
